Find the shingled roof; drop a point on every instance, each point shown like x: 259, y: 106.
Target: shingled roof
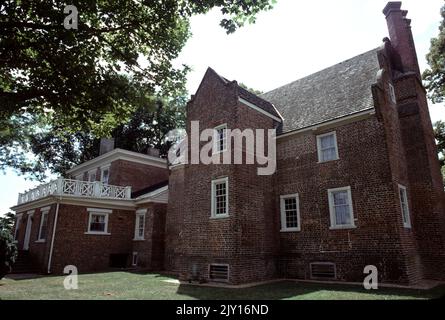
x: 332, y: 93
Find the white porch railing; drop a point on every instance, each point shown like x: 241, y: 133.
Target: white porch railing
x: 61, y: 187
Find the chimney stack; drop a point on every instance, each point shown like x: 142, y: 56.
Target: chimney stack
x: 399, y: 28
x: 106, y: 145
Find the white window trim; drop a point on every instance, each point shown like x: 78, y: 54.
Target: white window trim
x: 90, y: 173
x: 406, y: 224
x: 213, y: 204
x: 319, y: 146
x: 284, y: 227
x: 334, y: 226
x: 102, y: 169
x: 104, y: 212
x: 139, y: 213
x: 18, y: 223
x: 215, y: 139
x: 43, y: 212
x: 133, y: 257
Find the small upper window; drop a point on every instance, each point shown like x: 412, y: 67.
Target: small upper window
x: 340, y: 208
x: 220, y: 139
x: 139, y: 229
x: 392, y: 93
x: 105, y: 174
x: 92, y: 176
x: 43, y: 230
x: 220, y: 198
x: 98, y: 221
x: 290, y: 213
x: 327, y: 147
x: 404, y: 206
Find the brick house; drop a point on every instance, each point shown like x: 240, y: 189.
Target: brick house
x: 357, y: 183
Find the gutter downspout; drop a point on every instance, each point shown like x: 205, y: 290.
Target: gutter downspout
x: 53, y: 236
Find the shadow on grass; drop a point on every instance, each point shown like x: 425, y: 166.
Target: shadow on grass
x: 298, y: 290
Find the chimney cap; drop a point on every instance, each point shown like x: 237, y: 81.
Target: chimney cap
x: 392, y: 6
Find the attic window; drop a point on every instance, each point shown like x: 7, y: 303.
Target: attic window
x: 323, y: 270
x: 219, y: 272
x: 220, y: 139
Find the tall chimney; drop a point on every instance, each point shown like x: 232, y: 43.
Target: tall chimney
x: 106, y: 145
x: 401, y: 36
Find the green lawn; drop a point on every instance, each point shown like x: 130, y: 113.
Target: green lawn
x: 124, y: 285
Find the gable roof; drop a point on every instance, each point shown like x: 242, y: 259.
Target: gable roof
x: 332, y: 93
x: 249, y: 96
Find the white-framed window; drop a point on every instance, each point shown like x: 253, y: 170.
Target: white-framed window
x: 105, y: 174
x: 340, y: 208
x: 134, y: 259
x: 98, y: 221
x: 43, y: 228
x: 18, y: 221
x: 220, y: 198
x: 327, y: 147
x: 392, y: 93
x: 404, y: 206
x: 139, y: 228
x: 92, y: 175
x: 290, y: 213
x: 220, y: 139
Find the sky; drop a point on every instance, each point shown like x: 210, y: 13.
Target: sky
x: 295, y: 39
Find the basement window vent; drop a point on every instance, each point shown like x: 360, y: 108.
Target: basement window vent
x: 219, y: 272
x: 323, y: 270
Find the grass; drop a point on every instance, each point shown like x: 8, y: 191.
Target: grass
x: 124, y: 285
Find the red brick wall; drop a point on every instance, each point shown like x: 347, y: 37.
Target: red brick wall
x: 246, y: 240
x: 39, y: 251
x: 151, y: 250
x: 90, y: 252
x: 138, y: 176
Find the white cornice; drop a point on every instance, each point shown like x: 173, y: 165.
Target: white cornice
x: 255, y: 107
x: 118, y: 154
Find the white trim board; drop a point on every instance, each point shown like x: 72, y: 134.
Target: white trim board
x: 256, y: 108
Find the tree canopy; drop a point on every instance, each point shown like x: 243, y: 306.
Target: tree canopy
x: 59, y: 84
x: 435, y: 75
x: 435, y: 83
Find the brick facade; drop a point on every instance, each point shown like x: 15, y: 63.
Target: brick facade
x: 380, y: 148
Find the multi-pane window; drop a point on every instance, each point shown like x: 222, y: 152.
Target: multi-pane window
x: 98, y: 221
x: 105, y: 174
x: 290, y: 213
x: 92, y: 176
x: 43, y: 230
x: 404, y: 206
x: 220, y: 139
x: 220, y: 201
x: 139, y: 230
x: 340, y: 207
x: 327, y: 147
